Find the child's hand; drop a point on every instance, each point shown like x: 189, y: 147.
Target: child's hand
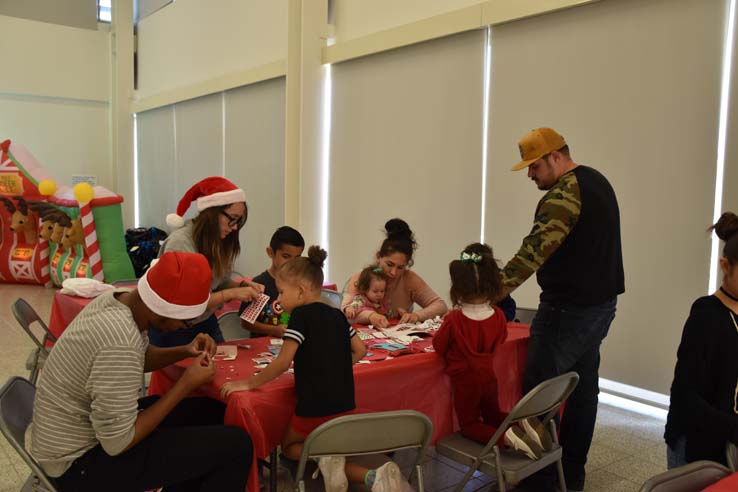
x: 350, y: 313
x: 278, y: 331
x: 233, y: 387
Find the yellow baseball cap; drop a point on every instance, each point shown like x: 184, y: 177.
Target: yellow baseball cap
x: 537, y: 143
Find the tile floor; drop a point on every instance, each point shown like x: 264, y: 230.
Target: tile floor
x: 626, y: 450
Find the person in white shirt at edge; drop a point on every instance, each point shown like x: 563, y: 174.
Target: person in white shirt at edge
x: 90, y: 431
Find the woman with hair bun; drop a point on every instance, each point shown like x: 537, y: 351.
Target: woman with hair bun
x: 703, y: 415
x: 404, y: 287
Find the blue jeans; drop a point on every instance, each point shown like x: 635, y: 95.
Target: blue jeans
x: 676, y: 456
x: 563, y: 338
x: 186, y: 335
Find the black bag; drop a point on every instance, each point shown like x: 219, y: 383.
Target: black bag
x: 142, y: 244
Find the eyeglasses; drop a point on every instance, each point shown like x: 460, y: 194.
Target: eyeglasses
x: 189, y: 323
x: 234, y: 221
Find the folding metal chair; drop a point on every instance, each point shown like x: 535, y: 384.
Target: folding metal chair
x: 525, y: 315
x: 230, y: 326
x: 731, y: 454
x: 508, y: 465
x: 331, y: 297
x: 692, y: 477
x: 368, y: 433
x: 26, y: 316
x: 16, y: 411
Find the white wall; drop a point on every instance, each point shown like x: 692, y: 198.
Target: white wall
x: 54, y: 96
x: 190, y: 41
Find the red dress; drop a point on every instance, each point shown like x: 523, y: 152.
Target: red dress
x: 468, y: 347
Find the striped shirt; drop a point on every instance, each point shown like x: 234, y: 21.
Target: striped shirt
x: 88, y: 391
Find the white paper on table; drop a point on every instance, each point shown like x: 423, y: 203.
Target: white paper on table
x: 226, y: 352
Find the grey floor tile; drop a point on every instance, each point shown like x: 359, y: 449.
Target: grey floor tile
x: 635, y: 469
x: 601, y: 455
x: 604, y: 481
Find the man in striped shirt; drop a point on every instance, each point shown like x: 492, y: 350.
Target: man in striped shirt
x: 91, y: 432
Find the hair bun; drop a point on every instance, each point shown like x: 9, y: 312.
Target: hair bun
x: 398, y: 229
x: 317, y: 255
x: 481, y: 249
x: 726, y: 226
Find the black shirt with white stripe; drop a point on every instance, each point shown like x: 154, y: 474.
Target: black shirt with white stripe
x: 324, y: 376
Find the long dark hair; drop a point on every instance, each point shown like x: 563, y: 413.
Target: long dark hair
x: 221, y: 253
x: 475, y: 274
x: 400, y: 239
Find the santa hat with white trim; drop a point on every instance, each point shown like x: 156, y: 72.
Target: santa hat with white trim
x: 210, y: 192
x: 177, y: 286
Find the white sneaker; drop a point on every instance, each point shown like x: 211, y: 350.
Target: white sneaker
x: 517, y: 439
x: 333, y: 469
x: 389, y: 479
x: 537, y: 431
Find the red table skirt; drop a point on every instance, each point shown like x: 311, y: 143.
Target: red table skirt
x: 416, y: 382
x: 727, y: 484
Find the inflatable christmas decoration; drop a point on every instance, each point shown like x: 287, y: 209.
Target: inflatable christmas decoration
x: 49, y: 233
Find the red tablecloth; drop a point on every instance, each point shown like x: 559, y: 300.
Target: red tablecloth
x: 416, y: 381
x: 727, y: 484
x: 65, y: 308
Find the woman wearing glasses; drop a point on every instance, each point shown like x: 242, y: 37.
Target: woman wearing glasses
x: 214, y: 233
x: 703, y: 415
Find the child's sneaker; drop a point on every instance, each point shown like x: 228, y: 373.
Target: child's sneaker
x: 333, y: 469
x: 537, y: 431
x: 389, y: 479
x: 517, y: 439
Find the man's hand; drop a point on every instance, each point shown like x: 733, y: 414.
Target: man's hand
x: 202, y: 343
x: 201, y: 371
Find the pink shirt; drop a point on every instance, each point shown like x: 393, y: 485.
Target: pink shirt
x: 403, y: 292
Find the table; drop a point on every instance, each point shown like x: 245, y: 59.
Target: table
x: 65, y: 308
x: 727, y: 484
x: 415, y: 381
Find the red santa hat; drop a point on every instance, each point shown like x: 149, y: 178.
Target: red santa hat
x: 177, y: 285
x: 210, y: 192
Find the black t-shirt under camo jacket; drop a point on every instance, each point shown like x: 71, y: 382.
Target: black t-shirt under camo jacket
x: 574, y: 245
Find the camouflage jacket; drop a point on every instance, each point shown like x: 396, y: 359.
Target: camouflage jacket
x: 556, y: 215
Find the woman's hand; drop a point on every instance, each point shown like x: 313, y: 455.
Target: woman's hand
x: 202, y: 343
x: 248, y: 283
x: 233, y: 387
x: 378, y: 321
x: 408, y: 317
x: 245, y: 294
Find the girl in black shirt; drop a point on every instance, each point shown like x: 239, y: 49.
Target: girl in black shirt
x: 703, y: 415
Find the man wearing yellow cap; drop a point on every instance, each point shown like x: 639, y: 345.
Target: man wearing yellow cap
x: 574, y: 249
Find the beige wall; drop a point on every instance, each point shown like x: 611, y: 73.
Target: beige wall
x: 54, y: 96
x: 193, y: 40
x: 73, y: 13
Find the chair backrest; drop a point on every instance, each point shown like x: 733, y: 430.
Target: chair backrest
x: 692, y: 477
x: 16, y: 412
x: 368, y: 433
x: 331, y: 297
x: 26, y: 316
x: 731, y: 453
x: 230, y: 326
x: 546, y: 398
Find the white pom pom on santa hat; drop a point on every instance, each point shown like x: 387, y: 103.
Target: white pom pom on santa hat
x: 214, y: 191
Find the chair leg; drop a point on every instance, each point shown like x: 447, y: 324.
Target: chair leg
x: 419, y: 472
x: 562, y: 479
x: 468, y: 475
x: 498, y: 467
